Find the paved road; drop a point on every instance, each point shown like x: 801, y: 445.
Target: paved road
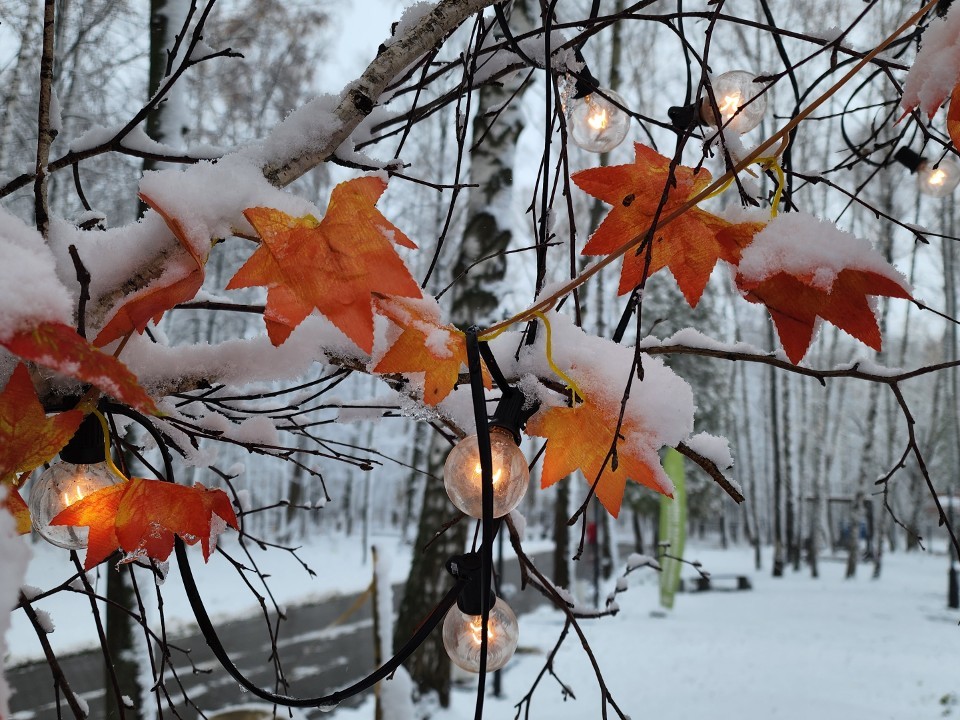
x: 316, y: 661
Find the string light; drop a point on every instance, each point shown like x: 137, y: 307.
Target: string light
x: 595, y: 122
x: 462, y: 474
x: 82, y: 470
x: 938, y: 180
x: 739, y: 101
x: 933, y: 179
x: 463, y: 634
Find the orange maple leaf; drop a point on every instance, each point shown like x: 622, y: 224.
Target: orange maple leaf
x: 28, y: 438
x: 425, y: 345
x: 580, y: 437
x: 797, y: 290
x: 151, y: 303
x: 14, y: 503
x: 141, y: 517
x: 59, y: 347
x: 689, y: 246
x: 331, y: 265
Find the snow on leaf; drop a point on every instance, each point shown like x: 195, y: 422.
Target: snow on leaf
x: 579, y: 438
x: 936, y: 69
x: 151, y: 303
x: 60, y: 348
x: 331, y: 265
x: 142, y: 516
x: 425, y: 345
x: 689, y: 246
x: 801, y: 268
x: 28, y: 438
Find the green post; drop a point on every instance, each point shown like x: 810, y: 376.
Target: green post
x: 673, y: 525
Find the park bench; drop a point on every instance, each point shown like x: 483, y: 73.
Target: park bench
x: 723, y: 582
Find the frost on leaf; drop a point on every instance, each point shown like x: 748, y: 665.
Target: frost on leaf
x: 332, y: 265
x: 803, y: 268
x: 689, y: 245
x: 142, y: 516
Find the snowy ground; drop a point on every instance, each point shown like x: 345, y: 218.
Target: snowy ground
x: 789, y: 648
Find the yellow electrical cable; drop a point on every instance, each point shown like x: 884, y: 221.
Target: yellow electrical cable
x: 720, y: 190
x: 106, y: 445
x: 773, y: 163
x: 574, y: 388
x: 492, y: 335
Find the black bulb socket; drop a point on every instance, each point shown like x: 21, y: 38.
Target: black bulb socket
x: 86, y: 446
x: 908, y: 158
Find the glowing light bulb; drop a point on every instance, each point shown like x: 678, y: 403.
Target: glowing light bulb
x: 59, y: 487
x: 739, y: 101
x: 596, y: 124
x: 938, y: 179
x: 463, y: 634
x: 462, y: 474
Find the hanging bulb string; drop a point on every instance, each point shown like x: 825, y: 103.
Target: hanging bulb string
x: 209, y: 632
x: 474, y: 365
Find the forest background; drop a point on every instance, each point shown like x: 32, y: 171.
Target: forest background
x: 362, y: 457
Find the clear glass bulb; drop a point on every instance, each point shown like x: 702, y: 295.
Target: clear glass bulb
x: 733, y: 91
x: 596, y: 124
x: 938, y: 180
x: 463, y: 633
x: 462, y: 474
x: 59, y: 487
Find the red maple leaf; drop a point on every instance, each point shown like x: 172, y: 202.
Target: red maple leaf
x: 331, y: 265
x: 689, y: 245
x: 796, y: 288
x: 59, y: 347
x: 579, y: 438
x: 425, y: 345
x: 151, y: 303
x: 142, y: 516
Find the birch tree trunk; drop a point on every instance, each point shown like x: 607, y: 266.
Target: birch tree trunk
x: 474, y: 300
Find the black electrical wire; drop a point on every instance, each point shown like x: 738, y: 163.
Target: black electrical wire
x: 486, y: 497
x: 213, y: 640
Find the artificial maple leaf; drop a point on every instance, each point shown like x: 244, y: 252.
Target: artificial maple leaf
x: 689, y: 246
x: 424, y: 346
x: 580, y: 437
x: 28, y: 438
x: 142, y: 516
x: 795, y: 303
x: 332, y: 265
x: 953, y: 118
x: 151, y: 303
x: 15, y: 505
x: 59, y: 347
x: 802, y: 267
